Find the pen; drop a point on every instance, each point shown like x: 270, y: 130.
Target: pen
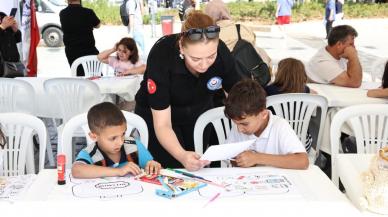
x: 186, y: 174
x: 212, y: 199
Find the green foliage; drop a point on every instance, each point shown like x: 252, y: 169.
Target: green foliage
x: 250, y: 11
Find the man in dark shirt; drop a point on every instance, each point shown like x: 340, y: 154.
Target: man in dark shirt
x: 10, y: 35
x: 77, y: 25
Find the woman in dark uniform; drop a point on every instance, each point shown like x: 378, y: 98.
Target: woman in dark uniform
x: 183, y: 73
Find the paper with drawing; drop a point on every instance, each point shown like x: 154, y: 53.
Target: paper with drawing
x: 226, y: 151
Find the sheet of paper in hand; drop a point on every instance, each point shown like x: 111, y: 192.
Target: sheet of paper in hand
x: 226, y: 151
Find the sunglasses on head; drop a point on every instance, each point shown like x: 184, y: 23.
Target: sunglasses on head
x: 196, y: 34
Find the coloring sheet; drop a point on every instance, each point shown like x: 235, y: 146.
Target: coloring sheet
x: 13, y: 186
x: 109, y: 187
x: 249, y: 184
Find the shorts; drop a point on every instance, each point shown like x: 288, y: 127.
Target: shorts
x: 280, y: 20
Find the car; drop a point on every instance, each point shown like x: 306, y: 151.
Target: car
x: 47, y: 15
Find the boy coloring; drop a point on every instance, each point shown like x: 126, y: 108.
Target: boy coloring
x: 110, y: 154
x: 276, y: 143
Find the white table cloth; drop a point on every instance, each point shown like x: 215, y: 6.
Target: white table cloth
x: 317, y: 196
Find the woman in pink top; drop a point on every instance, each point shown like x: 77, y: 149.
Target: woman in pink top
x: 126, y: 61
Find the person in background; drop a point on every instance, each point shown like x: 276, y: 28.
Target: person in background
x: 338, y: 62
x: 183, y: 73
x: 10, y: 35
x: 329, y: 16
x: 290, y: 78
x: 110, y: 154
x: 77, y: 25
x: 126, y: 61
x: 283, y: 11
x: 383, y: 90
x: 339, y: 14
x: 276, y: 143
x: 219, y: 12
x: 135, y: 26
x: 184, y: 7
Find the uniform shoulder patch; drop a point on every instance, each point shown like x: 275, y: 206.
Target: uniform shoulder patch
x: 151, y: 86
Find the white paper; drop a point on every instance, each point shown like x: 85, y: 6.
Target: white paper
x: 226, y: 151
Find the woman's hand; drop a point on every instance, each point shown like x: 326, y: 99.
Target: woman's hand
x: 191, y: 162
x: 152, y: 167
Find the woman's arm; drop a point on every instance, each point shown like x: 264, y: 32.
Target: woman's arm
x: 379, y: 93
x: 104, y: 56
x: 168, y: 139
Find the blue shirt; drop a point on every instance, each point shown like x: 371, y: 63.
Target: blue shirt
x: 134, y: 152
x: 330, y: 5
x: 285, y: 7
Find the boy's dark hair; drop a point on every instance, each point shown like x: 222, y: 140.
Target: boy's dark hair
x: 104, y: 115
x: 384, y: 83
x: 340, y: 33
x: 246, y: 97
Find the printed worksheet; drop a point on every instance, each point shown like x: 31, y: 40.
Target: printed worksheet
x: 104, y: 188
x: 11, y: 187
x: 249, y: 184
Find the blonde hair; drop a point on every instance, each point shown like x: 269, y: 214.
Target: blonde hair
x: 291, y: 76
x: 196, y: 19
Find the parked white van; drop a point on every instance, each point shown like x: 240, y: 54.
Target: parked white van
x: 48, y: 21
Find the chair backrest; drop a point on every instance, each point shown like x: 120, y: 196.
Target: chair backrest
x: 369, y: 123
x: 91, y: 65
x: 80, y: 121
x: 16, y: 96
x: 297, y: 109
x: 74, y: 95
x: 19, y: 128
x: 221, y: 123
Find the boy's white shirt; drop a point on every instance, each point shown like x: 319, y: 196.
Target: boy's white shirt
x: 277, y: 138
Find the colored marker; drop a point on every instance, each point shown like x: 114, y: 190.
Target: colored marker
x: 187, y: 174
x: 212, y: 199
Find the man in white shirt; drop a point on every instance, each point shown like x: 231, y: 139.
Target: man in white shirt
x: 276, y: 143
x: 338, y: 62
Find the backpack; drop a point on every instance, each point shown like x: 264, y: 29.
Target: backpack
x: 249, y: 64
x: 124, y: 13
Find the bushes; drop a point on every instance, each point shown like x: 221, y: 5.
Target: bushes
x: 252, y: 11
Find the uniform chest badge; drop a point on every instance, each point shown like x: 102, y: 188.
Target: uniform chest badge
x: 214, y: 83
x: 151, y: 86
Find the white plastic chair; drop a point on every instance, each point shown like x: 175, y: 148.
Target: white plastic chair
x: 74, y: 95
x: 19, y: 129
x: 19, y: 96
x: 369, y: 123
x: 16, y: 96
x: 80, y: 121
x: 91, y: 65
x: 221, y: 123
x: 297, y: 109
